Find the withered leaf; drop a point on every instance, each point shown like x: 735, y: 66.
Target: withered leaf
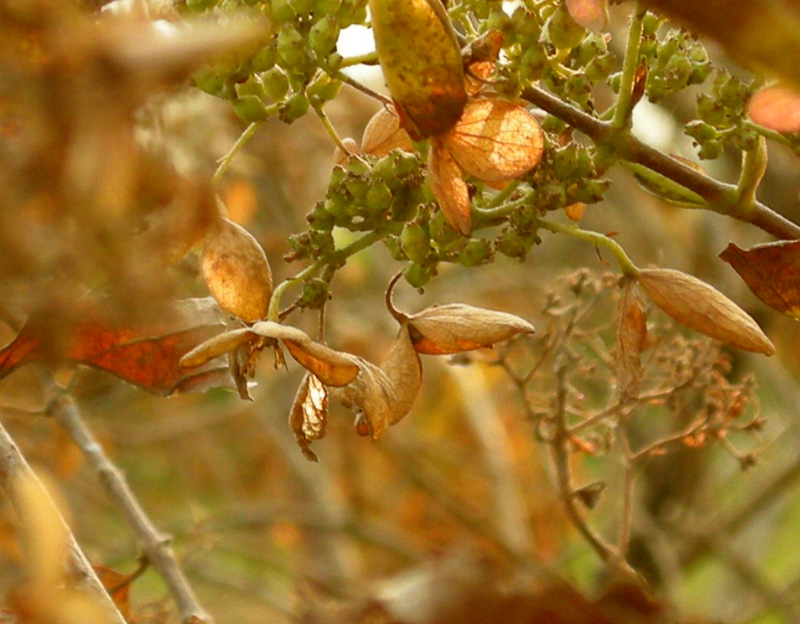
x: 421, y: 61
x: 146, y: 355
x: 631, y: 341
x: 776, y: 108
x: 772, y: 271
x: 237, y: 272
x: 370, y: 394
x: 591, y: 14
x: 404, y: 370
x: 334, y: 368
x: 449, y: 187
x: 495, y: 140
x: 457, y: 327
x: 703, y: 308
x: 309, y: 416
x: 383, y: 134
x: 216, y: 346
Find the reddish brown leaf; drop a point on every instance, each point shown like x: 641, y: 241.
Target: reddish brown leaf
x: 703, y: 308
x: 495, y: 140
x: 237, y: 272
x: 118, y: 586
x: 456, y: 327
x: 449, y: 187
x: 776, y: 108
x: 383, y: 134
x: 772, y: 271
x: 631, y: 341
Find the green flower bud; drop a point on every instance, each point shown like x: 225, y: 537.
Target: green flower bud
x: 294, y: 108
x: 264, y: 59
x: 650, y: 24
x: 319, y: 218
x: 321, y: 242
x: 532, y: 63
x: 477, y: 251
x: 291, y: 46
x: 209, y: 81
x: 251, y: 86
x: 358, y: 167
x: 358, y: 188
x: 315, y: 294
x: 250, y: 108
x: 326, y: 7
x: 282, y: 11
x: 302, y: 7
x: 334, y: 61
x: 711, y: 150
x: 563, y: 31
x: 553, y: 124
x: 678, y: 70
x: 323, y: 36
x: 395, y: 249
x: 513, y: 244
x: 441, y: 231
x: 275, y: 83
x: 415, y: 241
x: 338, y: 206
x: 338, y: 176
x: 590, y: 192
x: 417, y: 275
x: 379, y: 198
x: 323, y: 89
x: 701, y: 131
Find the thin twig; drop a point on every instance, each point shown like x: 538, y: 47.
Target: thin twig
x: 14, y: 469
x: 720, y: 197
x: 155, y: 544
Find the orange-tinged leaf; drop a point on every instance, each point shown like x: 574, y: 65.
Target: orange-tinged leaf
x: 591, y: 14
x: 772, y: 271
x: 776, y: 108
x: 703, y: 308
x: 495, y: 140
x: 118, y: 586
x: 383, y: 134
x: 449, y: 187
x: 309, y: 415
x: 237, y: 272
x: 421, y: 61
x: 457, y: 327
x: 481, y: 59
x: 333, y: 368
x: 631, y: 341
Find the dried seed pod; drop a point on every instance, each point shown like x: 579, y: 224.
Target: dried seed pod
x: 421, y: 60
x: 631, y: 341
x: 237, y: 272
x: 308, y: 418
x: 404, y: 370
x: 383, y: 134
x: 449, y: 187
x: 703, y: 308
x: 457, y: 327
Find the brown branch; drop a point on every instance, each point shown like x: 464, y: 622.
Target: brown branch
x: 719, y: 196
x: 155, y: 544
x: 15, y: 469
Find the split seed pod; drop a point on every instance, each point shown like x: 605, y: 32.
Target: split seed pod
x: 421, y: 60
x: 236, y: 271
x: 703, y: 308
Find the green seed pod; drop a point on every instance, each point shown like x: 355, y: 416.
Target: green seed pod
x: 338, y: 176
x: 441, y: 231
x: 379, y: 198
x: 252, y: 86
x: 276, y: 84
x: 532, y: 63
x: 209, y: 81
x: 323, y: 36
x: 358, y: 167
x: 565, y: 161
x: 384, y: 169
x: 513, y: 244
x: 678, y: 70
x: 477, y: 251
x: 291, y: 47
x: 563, y: 31
x: 416, y: 241
x: 264, y: 59
x: 323, y: 89
x: 590, y: 192
x: 395, y: 248
x: 335, y: 60
x: 294, y: 108
x: 650, y: 24
x: 282, y: 11
x: 250, y: 109
x: 321, y: 242
x: 337, y: 206
x: 417, y: 275
x: 701, y: 131
x: 553, y: 124
x: 711, y: 150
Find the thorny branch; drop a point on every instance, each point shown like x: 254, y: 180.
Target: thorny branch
x: 156, y: 545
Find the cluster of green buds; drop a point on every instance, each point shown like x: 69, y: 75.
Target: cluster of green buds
x: 674, y: 62
x: 722, y: 120
x: 293, y: 71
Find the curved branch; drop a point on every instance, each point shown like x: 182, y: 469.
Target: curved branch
x: 720, y: 197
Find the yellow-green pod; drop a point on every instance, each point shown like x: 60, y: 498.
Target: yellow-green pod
x: 421, y: 60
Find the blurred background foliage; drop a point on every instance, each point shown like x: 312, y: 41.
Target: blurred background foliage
x: 457, y: 510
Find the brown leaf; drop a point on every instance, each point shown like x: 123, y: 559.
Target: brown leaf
x: 456, y: 327
x: 383, y: 134
x: 495, y: 140
x: 370, y: 394
x: 237, y: 272
x: 591, y: 14
x: 334, y: 368
x: 776, y: 108
x: 772, y: 271
x: 449, y: 187
x: 404, y: 370
x: 703, y: 308
x: 216, y: 346
x: 118, y: 586
x: 631, y: 341
x: 309, y: 416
